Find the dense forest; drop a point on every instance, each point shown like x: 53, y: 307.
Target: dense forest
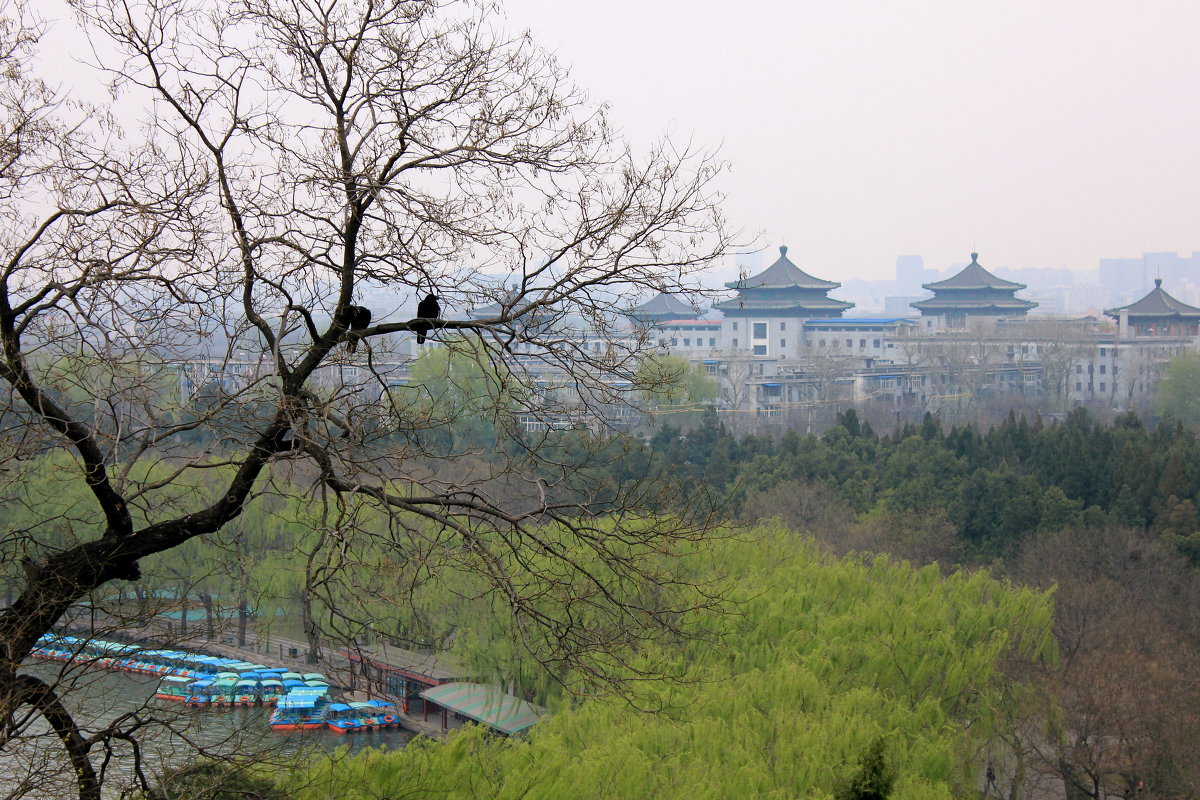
x: 1054, y: 635
x: 994, y: 488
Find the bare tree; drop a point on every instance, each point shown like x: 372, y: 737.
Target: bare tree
x: 174, y: 300
x: 1062, y: 346
x: 1116, y: 712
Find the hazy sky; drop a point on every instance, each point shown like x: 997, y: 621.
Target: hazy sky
x: 1044, y: 134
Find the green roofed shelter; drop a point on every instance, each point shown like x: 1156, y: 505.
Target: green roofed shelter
x: 486, y: 704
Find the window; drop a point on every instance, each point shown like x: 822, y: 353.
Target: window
x: 760, y: 330
x: 1079, y: 369
x: 1103, y: 369
x: 760, y: 349
x: 849, y: 343
x: 1102, y: 386
x: 687, y: 342
x: 783, y: 326
x: 735, y: 325
x: 822, y: 344
x: 783, y: 342
x: 674, y: 342
x: 862, y: 343
x: 876, y: 344
x: 735, y: 344
x: 1078, y: 386
x: 712, y: 342
x: 1102, y: 350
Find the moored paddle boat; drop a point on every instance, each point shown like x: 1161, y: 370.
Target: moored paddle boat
x: 174, y: 688
x: 302, y: 709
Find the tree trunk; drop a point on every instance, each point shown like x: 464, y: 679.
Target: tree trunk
x: 210, y: 623
x: 243, y: 622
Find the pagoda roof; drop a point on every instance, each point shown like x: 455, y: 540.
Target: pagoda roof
x: 974, y: 304
x: 973, y: 276
x: 708, y: 323
x: 663, y: 304
x: 781, y: 304
x: 1156, y: 304
x: 783, y: 274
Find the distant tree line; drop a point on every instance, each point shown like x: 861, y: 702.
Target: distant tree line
x: 994, y: 487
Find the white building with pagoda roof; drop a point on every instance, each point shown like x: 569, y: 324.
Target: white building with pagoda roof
x: 767, y: 316
x: 974, y: 294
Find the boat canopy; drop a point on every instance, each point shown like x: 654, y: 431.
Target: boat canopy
x: 175, y: 679
x: 338, y: 707
x: 291, y: 682
x: 321, y: 682
x: 298, y: 702
x: 272, y: 682
x: 313, y: 676
x: 291, y: 676
x: 379, y: 704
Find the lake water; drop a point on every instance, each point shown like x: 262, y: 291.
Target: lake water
x: 169, y: 734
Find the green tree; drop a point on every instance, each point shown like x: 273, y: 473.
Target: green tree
x: 461, y: 396
x: 669, y: 384
x: 874, y: 779
x: 1178, y: 392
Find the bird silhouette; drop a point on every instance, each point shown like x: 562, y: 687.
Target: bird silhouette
x: 357, y: 318
x: 428, y: 310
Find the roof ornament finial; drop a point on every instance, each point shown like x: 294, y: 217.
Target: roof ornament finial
x: 1158, y: 283
x: 783, y: 251
x: 974, y: 258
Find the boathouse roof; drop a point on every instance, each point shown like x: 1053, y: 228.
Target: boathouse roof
x: 425, y: 667
x: 486, y: 704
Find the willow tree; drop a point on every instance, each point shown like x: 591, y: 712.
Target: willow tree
x: 179, y: 293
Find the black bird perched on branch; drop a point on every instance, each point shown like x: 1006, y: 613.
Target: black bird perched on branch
x: 428, y: 310
x: 357, y: 318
